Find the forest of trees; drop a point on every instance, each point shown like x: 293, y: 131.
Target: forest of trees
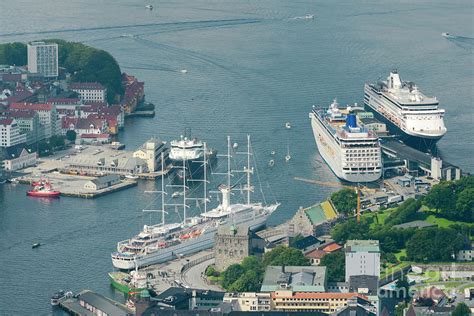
x: 422, y: 245
x: 85, y: 63
x: 248, y: 275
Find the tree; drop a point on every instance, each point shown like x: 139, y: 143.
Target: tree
x: 335, y: 264
x: 57, y: 141
x: 13, y: 54
x: 252, y: 263
x: 350, y: 230
x: 404, y: 287
x: 441, y: 197
x: 250, y: 281
x: 345, y: 200
x: 287, y: 256
x: 400, y: 309
x: 465, y: 205
x: 406, y: 212
x: 231, y: 274
x: 71, y: 135
x: 435, y: 244
x: 462, y: 310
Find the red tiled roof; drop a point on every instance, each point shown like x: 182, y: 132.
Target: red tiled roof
x: 86, y: 86
x: 22, y: 113
x: 332, y: 247
x: 316, y: 254
x: 6, y: 121
x: 19, y: 96
x: 31, y: 106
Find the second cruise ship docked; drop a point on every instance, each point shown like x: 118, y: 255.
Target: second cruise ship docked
x: 415, y: 117
x: 351, y: 151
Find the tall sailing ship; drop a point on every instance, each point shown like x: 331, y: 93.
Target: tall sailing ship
x: 165, y: 241
x: 352, y: 152
x: 408, y: 112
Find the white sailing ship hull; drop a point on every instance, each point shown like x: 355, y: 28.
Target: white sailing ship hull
x: 190, y: 246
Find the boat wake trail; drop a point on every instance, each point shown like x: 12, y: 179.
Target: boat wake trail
x: 461, y: 41
x: 184, y: 52
x: 149, y: 67
x: 164, y: 27
x: 303, y: 17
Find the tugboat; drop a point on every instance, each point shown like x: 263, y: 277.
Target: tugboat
x: 43, y: 189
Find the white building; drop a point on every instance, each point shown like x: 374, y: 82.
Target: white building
x: 43, y: 58
x: 249, y: 301
x: 362, y: 258
x: 48, y: 117
x: 17, y: 158
x: 151, y: 153
x: 10, y: 134
x: 89, y: 91
x: 102, y: 182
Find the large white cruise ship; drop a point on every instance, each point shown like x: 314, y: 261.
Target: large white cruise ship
x: 163, y: 242
x: 352, y: 152
x: 408, y: 112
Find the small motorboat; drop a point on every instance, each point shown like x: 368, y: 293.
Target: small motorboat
x: 271, y: 163
x: 184, y: 71
x: 235, y: 145
x: 131, y: 176
x: 287, y: 125
x: 287, y: 157
x: 149, y: 7
x: 446, y: 34
x: 273, y: 153
x: 36, y: 245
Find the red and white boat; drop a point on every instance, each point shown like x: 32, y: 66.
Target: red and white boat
x: 43, y: 189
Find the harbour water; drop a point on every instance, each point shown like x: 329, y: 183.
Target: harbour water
x: 251, y: 67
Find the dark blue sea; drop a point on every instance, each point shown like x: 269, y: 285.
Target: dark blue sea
x: 252, y: 66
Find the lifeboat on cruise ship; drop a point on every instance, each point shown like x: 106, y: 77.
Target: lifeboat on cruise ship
x: 185, y: 236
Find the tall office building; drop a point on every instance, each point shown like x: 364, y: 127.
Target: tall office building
x: 362, y: 258
x: 43, y: 58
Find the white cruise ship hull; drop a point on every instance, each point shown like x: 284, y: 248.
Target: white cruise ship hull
x: 331, y: 152
x: 190, y: 246
x: 410, y: 131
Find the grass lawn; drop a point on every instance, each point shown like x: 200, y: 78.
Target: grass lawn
x: 442, y: 222
x: 381, y: 216
x: 401, y: 253
x: 392, y: 269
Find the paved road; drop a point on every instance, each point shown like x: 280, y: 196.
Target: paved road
x: 193, y: 277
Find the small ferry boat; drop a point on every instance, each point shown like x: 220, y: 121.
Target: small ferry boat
x: 43, y: 189
x: 58, y: 296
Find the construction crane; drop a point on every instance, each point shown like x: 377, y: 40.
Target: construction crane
x: 357, y: 189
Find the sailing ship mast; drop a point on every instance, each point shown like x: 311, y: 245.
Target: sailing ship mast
x: 163, y: 192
